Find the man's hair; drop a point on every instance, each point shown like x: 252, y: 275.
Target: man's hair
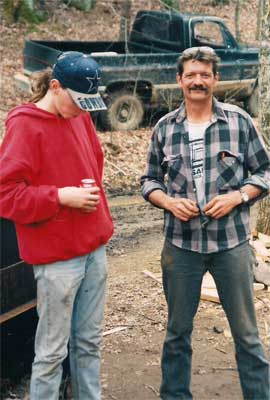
x: 203, y: 54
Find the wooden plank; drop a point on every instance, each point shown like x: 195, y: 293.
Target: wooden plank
x: 152, y: 275
x: 209, y: 295
x: 114, y: 330
x: 260, y: 249
x: 258, y: 286
x: 18, y: 310
x: 208, y: 290
x: 265, y: 239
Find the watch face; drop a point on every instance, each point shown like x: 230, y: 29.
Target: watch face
x: 245, y: 197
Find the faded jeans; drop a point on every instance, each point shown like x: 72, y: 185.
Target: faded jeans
x: 182, y: 278
x: 70, y: 305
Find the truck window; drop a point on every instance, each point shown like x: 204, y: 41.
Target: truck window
x: 156, y: 32
x: 208, y: 33
x: 162, y: 28
x: 156, y: 28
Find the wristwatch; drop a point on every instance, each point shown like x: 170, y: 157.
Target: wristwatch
x: 244, y: 196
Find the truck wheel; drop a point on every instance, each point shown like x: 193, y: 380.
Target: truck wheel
x: 124, y: 112
x: 251, y: 104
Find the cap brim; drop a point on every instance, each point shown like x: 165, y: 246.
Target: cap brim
x: 88, y: 102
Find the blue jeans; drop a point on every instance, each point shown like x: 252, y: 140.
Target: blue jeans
x: 70, y: 305
x: 182, y: 278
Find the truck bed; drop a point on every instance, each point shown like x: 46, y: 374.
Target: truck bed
x: 18, y: 286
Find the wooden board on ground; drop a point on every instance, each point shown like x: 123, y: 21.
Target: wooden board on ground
x: 208, y: 291
x: 261, y: 245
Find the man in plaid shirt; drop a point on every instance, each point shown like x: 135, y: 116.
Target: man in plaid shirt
x: 206, y: 165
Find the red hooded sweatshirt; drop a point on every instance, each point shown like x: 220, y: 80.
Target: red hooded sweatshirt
x: 40, y: 153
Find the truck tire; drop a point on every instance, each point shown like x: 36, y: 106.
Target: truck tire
x: 124, y: 112
x: 251, y: 104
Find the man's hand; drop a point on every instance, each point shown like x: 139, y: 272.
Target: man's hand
x: 183, y: 209
x: 86, y: 199
x: 222, y: 204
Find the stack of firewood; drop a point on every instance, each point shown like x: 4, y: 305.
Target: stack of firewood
x: 261, y: 245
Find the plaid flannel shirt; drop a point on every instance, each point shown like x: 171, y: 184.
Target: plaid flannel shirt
x: 231, y: 133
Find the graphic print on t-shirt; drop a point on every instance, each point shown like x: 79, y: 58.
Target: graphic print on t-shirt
x: 196, y: 152
x: 196, y: 146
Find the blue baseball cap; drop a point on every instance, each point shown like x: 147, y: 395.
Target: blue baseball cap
x: 79, y: 74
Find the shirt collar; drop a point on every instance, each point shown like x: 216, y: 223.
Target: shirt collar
x: 218, y: 112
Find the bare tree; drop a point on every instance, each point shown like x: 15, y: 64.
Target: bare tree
x: 220, y: 2
x: 125, y: 20
x: 175, y: 4
x: 263, y: 222
x: 236, y: 20
x: 258, y: 24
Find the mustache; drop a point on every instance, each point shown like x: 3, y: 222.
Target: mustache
x: 198, y: 87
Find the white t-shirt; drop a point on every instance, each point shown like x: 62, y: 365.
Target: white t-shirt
x: 196, y: 144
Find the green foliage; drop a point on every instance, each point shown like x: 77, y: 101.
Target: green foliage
x: 20, y: 11
x: 171, y: 4
x: 83, y: 5
x: 215, y: 3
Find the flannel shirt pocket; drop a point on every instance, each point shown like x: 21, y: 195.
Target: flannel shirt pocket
x: 176, y: 173
x: 230, y: 170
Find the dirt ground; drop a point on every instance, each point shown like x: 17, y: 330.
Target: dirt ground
x: 135, y: 303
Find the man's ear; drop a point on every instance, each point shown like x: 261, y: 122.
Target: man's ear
x: 179, y: 80
x: 216, y: 76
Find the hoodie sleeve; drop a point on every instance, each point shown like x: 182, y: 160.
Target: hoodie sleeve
x: 21, y: 198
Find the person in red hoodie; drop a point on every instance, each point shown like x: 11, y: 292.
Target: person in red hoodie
x: 49, y: 147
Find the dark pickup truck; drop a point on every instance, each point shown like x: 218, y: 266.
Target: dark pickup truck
x: 18, y: 287
x: 140, y: 73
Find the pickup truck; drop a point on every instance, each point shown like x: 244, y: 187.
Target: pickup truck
x: 139, y: 74
x: 18, y: 286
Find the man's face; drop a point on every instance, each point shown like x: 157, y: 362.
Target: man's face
x: 197, y: 81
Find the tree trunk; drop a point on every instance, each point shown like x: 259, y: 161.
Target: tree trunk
x: 258, y: 24
x: 175, y: 4
x: 125, y: 20
x: 236, y: 20
x: 219, y: 2
x: 263, y: 222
